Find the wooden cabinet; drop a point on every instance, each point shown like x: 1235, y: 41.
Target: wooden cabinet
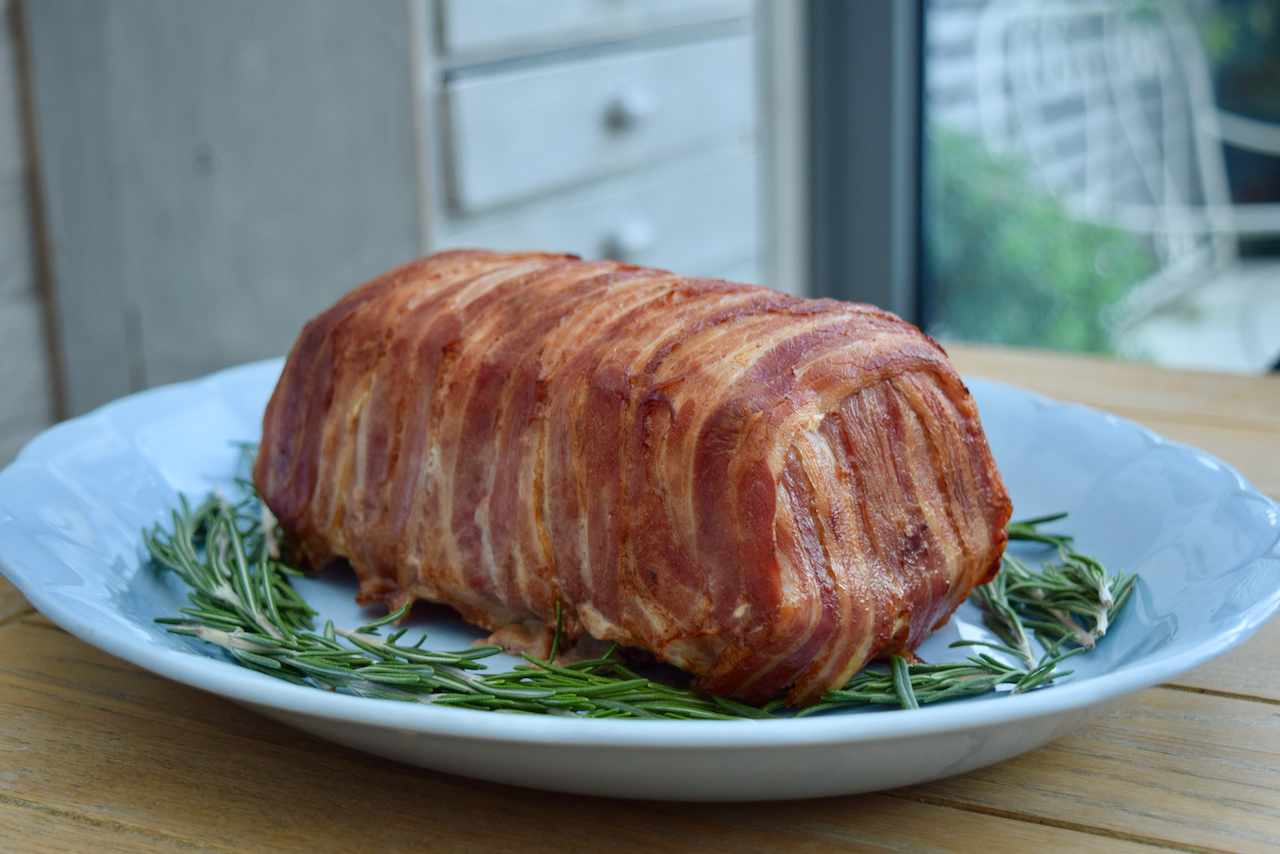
x: 469, y: 27
x: 694, y: 215
x: 511, y: 136
x: 613, y: 129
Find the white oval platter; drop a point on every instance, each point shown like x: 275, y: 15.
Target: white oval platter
x: 1205, y: 544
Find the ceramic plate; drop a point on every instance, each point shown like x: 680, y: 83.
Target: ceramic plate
x: 1204, y: 543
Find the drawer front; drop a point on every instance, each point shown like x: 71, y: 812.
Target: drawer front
x: 696, y: 218
x: 745, y: 270
x: 474, y: 26
x: 515, y: 135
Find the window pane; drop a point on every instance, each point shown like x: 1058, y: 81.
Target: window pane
x: 1084, y: 189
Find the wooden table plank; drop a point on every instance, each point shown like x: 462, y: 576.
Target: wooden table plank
x: 12, y: 603
x: 31, y: 827
x: 92, y: 738
x: 1250, y: 670
x: 1192, y: 396
x: 1179, y: 767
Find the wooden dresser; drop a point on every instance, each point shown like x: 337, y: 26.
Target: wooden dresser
x: 614, y: 129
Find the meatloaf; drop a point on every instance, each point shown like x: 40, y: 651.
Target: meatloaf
x: 765, y: 490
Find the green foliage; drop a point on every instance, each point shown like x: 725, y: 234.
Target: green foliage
x: 1242, y: 40
x: 1238, y: 30
x: 1009, y: 266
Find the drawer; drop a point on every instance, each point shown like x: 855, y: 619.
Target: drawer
x: 514, y: 135
x: 696, y: 217
x: 491, y: 26
x: 745, y: 270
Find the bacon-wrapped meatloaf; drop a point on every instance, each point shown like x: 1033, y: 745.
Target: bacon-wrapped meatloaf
x: 764, y: 490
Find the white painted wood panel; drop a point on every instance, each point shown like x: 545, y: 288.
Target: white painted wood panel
x: 782, y: 260
x: 68, y: 50
x: 12, y: 158
x: 469, y: 26
x: 517, y: 134
x: 15, y: 435
x: 696, y: 217
x: 17, y: 272
x: 26, y: 398
x: 216, y: 173
x: 24, y: 369
x: 745, y: 270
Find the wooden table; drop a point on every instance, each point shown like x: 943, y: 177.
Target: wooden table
x: 98, y: 755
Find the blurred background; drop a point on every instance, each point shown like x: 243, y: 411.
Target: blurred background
x: 183, y: 185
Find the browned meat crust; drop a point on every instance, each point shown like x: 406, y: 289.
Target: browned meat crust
x: 764, y: 490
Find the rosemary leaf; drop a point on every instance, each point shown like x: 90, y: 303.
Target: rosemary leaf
x: 229, y: 555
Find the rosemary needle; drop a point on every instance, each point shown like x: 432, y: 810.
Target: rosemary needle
x: 1067, y: 606
x: 240, y: 599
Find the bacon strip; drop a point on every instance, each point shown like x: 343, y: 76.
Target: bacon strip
x: 764, y: 490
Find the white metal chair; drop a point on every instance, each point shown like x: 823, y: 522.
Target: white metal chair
x: 1113, y: 105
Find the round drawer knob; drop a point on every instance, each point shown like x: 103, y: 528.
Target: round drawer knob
x: 629, y: 241
x: 627, y: 109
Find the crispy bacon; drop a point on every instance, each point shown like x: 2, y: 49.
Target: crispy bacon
x: 767, y: 491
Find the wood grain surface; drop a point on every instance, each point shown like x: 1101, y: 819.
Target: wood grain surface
x: 96, y: 754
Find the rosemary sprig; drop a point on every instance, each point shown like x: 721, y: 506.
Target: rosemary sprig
x: 241, y: 600
x: 1067, y: 607
x: 1073, y: 599
x: 913, y: 685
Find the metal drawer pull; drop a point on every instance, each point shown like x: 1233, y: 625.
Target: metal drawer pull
x: 629, y: 240
x: 628, y: 109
